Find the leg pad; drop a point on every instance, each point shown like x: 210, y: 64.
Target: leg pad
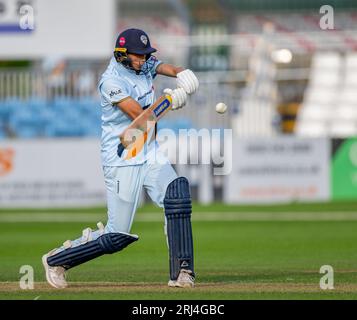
x: 106, y: 244
x: 178, y: 210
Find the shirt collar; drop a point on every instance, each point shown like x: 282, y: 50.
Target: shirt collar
x: 119, y: 67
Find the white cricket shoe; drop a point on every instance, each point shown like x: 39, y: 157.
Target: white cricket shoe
x: 56, y: 276
x: 184, y: 280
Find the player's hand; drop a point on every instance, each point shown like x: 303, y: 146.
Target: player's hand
x: 179, y: 97
x: 187, y: 80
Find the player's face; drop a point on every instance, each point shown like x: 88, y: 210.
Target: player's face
x: 137, y: 60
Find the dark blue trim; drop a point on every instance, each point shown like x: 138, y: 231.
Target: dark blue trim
x: 13, y: 28
x: 120, y: 150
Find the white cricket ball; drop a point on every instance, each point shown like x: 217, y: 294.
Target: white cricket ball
x: 221, y: 107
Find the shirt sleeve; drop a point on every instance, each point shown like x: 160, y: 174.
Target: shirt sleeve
x: 154, y: 62
x: 114, y: 91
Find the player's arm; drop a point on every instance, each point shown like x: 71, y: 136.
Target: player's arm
x: 130, y: 107
x: 147, y: 119
x: 186, y: 79
x: 168, y: 70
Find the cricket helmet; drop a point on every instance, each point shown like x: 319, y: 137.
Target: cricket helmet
x: 134, y: 41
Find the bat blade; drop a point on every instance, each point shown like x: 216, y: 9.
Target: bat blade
x: 135, y: 136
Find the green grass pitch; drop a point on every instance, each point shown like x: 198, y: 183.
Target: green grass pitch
x: 241, y: 252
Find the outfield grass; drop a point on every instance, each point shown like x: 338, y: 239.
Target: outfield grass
x: 333, y: 206
x: 235, y: 258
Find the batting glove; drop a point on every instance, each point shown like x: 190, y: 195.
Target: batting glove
x: 179, y: 97
x: 187, y: 80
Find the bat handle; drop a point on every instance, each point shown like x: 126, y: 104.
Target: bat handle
x: 120, y: 150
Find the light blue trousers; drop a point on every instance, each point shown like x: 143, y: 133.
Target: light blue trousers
x: 124, y: 186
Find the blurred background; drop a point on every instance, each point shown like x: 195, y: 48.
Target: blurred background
x: 286, y: 69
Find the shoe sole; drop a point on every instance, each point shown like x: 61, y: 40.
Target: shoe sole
x: 175, y: 284
x: 44, y: 262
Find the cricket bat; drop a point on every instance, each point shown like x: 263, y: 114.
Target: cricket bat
x: 135, y: 136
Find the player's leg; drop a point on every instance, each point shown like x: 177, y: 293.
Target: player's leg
x: 124, y: 186
x: 172, y: 193
x: 122, y: 201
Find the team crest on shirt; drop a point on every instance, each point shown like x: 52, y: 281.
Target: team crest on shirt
x: 144, y: 39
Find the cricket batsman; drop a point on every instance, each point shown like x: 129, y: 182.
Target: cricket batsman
x: 126, y: 90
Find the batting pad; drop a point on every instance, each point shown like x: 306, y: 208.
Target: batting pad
x: 178, y: 208
x: 106, y: 244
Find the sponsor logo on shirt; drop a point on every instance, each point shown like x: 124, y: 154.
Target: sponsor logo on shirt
x: 145, y: 94
x: 114, y: 93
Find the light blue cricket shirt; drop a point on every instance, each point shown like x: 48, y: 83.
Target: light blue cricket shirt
x: 116, y: 84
